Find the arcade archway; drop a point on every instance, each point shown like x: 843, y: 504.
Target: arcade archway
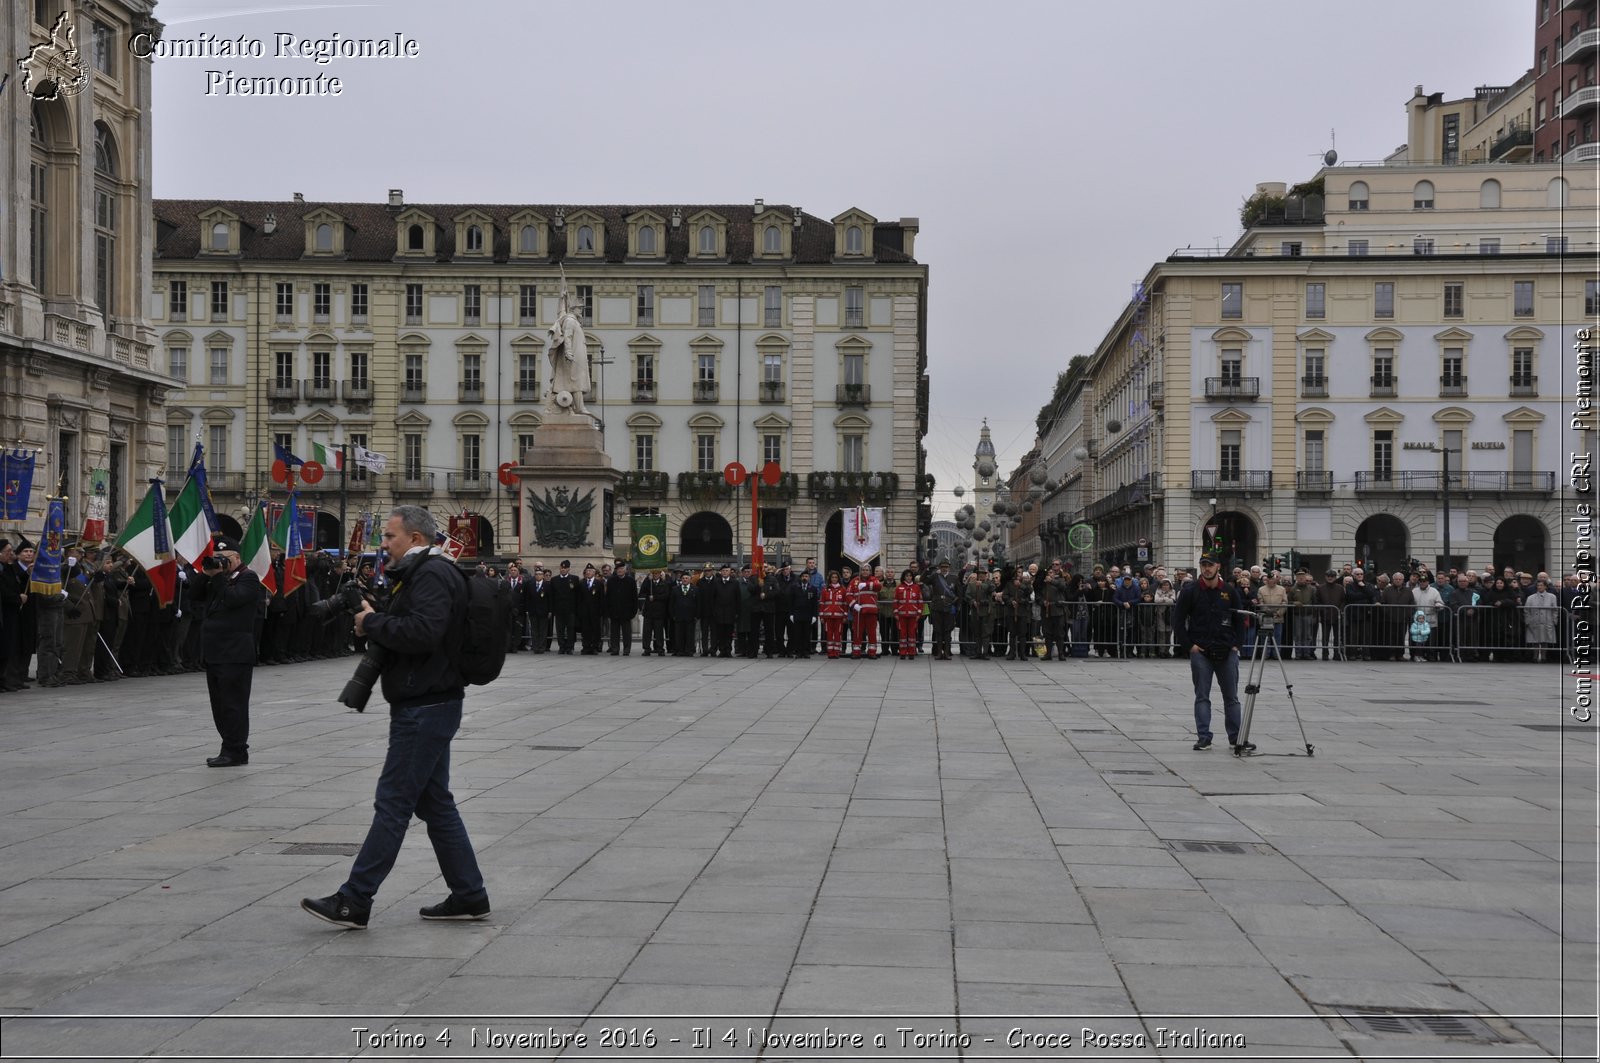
x: 1519, y: 543
x: 1383, y: 544
x: 705, y: 536
x: 1235, y: 535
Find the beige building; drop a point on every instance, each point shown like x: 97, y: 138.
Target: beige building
x: 77, y: 379
x: 717, y: 333
x: 1297, y: 392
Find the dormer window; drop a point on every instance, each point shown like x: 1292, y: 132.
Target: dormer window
x: 708, y: 240
x: 414, y: 238
x: 528, y: 240
x: 324, y: 237
x: 474, y: 238
x: 852, y: 240
x: 647, y: 240
x: 219, y: 236
x: 585, y: 242
x: 852, y: 234
x: 771, y: 240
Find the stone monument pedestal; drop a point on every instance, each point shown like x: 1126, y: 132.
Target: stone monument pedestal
x: 567, y: 489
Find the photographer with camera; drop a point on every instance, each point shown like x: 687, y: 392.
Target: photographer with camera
x: 230, y: 595
x: 416, y: 647
x: 1203, y: 619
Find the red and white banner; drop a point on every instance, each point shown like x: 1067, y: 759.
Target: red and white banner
x: 863, y: 534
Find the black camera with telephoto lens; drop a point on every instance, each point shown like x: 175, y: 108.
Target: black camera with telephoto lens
x: 346, y: 599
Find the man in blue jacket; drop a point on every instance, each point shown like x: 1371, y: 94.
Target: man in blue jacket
x: 1203, y: 620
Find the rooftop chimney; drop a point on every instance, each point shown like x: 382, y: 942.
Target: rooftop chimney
x: 397, y: 198
x: 761, y: 205
x: 798, y: 217
x: 299, y: 197
x: 910, y: 227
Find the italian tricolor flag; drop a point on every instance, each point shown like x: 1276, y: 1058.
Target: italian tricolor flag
x: 286, y: 536
x: 191, y: 532
x: 254, y: 550
x: 329, y: 457
x: 148, y: 540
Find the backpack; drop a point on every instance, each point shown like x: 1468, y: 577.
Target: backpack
x: 488, y: 621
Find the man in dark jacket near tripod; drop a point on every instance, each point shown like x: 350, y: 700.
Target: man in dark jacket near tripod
x: 1203, y: 620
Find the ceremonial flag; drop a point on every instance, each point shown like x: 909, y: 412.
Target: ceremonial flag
x: 254, y: 552
x: 649, y: 542
x: 148, y: 540
x: 358, y: 534
x: 192, y: 520
x: 45, y: 577
x: 370, y: 460
x: 99, y: 507
x: 286, y: 535
x: 863, y: 534
x: 330, y: 457
x: 16, y: 470
x: 284, y: 455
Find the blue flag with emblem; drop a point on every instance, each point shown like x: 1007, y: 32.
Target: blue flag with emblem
x: 16, y: 470
x: 45, y: 578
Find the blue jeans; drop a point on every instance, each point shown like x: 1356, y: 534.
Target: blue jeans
x: 416, y: 779
x: 1201, y: 669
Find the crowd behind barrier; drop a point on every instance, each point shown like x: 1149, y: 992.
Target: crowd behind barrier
x: 108, y: 623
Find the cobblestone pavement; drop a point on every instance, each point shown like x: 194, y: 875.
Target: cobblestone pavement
x: 791, y: 860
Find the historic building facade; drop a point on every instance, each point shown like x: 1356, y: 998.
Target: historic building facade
x: 716, y: 333
x: 78, y: 379
x: 1305, y: 390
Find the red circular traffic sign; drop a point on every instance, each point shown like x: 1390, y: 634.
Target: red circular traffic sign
x: 771, y: 475
x: 734, y: 473
x: 507, y: 477
x: 280, y: 472
x: 311, y: 472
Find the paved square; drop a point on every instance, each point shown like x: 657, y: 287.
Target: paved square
x: 791, y: 859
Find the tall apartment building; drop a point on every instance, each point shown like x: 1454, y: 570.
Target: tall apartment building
x: 717, y: 333
x: 77, y: 379
x: 1301, y: 390
x: 1566, y: 48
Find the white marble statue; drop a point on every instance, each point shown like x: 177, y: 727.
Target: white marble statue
x: 569, y: 359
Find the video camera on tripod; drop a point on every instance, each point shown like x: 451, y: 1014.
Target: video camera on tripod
x: 1266, y: 639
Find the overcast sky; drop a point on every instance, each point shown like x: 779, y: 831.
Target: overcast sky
x: 1053, y: 151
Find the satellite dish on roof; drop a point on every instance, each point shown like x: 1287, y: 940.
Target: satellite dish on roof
x: 1330, y: 158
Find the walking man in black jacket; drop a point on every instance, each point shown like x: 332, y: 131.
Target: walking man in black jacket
x: 1203, y: 620
x: 232, y: 597
x: 420, y: 635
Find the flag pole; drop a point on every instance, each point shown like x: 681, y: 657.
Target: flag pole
x: 344, y: 486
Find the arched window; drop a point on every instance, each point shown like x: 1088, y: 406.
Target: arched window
x: 586, y: 239
x: 38, y: 198
x: 1422, y: 196
x: 474, y: 238
x: 1556, y: 193
x: 647, y: 240
x: 414, y: 238
x: 324, y: 237
x: 708, y: 240
x: 1489, y: 194
x: 1358, y: 195
x: 528, y: 240
x: 771, y: 240
x: 105, y: 152
x: 219, y: 236
x: 852, y: 240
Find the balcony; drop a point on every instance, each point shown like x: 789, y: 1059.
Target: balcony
x: 1452, y: 387
x: 1515, y: 145
x: 1581, y: 102
x: 1383, y: 387
x: 644, y: 391
x: 1314, y: 387
x: 1233, y: 387
x: 851, y: 487
x: 527, y: 391
x: 283, y: 390
x: 1589, y: 152
x: 853, y: 395
x: 1157, y: 394
x: 644, y: 484
x: 321, y: 390
x: 1230, y: 481
x: 472, y: 391
x: 1524, y: 387
x: 475, y: 482
x: 418, y: 483
x: 225, y: 483
x: 413, y: 393
x: 703, y: 486
x: 705, y: 391
x: 358, y: 391
x: 1128, y: 496
x: 1313, y: 481
x: 1432, y: 482
x: 772, y: 391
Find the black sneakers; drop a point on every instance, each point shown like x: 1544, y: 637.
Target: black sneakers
x: 338, y: 910
x: 1204, y: 743
x: 453, y: 908
x: 1241, y: 748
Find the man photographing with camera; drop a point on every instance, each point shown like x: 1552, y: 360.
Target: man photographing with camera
x: 1203, y: 620
x: 231, y: 596
x: 418, y: 640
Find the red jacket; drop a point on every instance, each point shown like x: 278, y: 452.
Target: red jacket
x: 832, y: 606
x: 865, y: 592
x: 908, y: 601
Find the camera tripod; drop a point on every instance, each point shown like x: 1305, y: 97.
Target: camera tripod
x: 1266, y: 639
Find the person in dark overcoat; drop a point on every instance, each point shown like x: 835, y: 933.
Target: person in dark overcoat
x: 230, y: 595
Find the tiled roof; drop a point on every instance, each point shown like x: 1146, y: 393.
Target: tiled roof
x: 370, y: 230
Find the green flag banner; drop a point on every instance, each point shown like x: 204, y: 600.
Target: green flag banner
x: 649, y: 542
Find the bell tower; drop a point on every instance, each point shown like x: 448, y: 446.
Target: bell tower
x: 985, y: 473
